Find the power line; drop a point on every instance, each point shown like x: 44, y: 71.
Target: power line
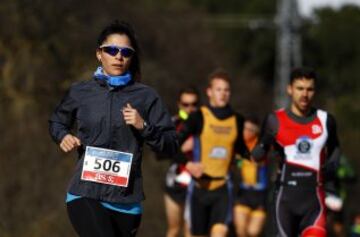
x: 287, y: 23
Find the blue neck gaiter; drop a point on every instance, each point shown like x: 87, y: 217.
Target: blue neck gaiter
x: 121, y: 80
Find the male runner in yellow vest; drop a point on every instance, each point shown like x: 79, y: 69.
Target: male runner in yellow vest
x: 217, y: 132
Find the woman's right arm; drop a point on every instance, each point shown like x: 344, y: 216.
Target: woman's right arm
x: 61, y: 122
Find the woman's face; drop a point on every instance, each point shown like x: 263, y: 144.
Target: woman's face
x: 114, y: 65
x: 251, y: 131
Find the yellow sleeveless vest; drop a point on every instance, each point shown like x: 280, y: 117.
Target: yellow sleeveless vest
x: 249, y: 172
x: 249, y: 168
x: 217, y: 144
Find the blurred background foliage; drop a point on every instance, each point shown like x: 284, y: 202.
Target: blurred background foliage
x: 47, y: 45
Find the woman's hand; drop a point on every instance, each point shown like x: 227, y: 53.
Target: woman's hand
x: 132, y: 117
x: 69, y: 143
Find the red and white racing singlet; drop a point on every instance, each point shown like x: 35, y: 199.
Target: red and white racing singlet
x: 303, y: 143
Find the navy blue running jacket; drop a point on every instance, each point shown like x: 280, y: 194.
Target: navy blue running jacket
x: 92, y: 111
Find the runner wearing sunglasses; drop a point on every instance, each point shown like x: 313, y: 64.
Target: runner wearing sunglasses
x: 177, y: 178
x: 113, y: 50
x: 306, y: 142
x: 114, y: 115
x: 217, y: 132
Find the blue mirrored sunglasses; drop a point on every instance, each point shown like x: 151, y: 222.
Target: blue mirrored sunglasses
x: 114, y: 50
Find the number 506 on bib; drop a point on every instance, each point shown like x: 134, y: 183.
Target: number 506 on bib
x: 106, y: 166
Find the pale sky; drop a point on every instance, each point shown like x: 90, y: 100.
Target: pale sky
x: 306, y: 6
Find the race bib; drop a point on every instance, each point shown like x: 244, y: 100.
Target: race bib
x: 106, y: 166
x: 218, y: 152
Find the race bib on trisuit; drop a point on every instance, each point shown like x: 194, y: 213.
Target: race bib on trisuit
x: 106, y: 166
x: 218, y: 152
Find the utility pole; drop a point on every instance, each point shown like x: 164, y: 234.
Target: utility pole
x: 288, y: 48
x: 287, y: 23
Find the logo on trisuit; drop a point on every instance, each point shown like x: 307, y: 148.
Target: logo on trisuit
x: 316, y: 129
x: 303, y: 145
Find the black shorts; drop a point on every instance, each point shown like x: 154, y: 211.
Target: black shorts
x: 177, y: 194
x: 176, y: 191
x: 208, y: 207
x: 254, y: 199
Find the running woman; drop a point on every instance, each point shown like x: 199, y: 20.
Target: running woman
x: 251, y: 182
x: 114, y: 115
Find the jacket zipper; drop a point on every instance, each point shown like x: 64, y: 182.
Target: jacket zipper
x: 110, y: 119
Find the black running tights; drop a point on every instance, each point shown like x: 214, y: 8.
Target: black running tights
x: 90, y: 219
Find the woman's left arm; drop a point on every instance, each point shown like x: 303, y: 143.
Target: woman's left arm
x: 155, y: 126
x: 159, y: 131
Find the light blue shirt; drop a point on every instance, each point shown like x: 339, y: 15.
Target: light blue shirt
x: 133, y: 208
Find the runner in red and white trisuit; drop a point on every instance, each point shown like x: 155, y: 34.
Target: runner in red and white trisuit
x: 306, y: 141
